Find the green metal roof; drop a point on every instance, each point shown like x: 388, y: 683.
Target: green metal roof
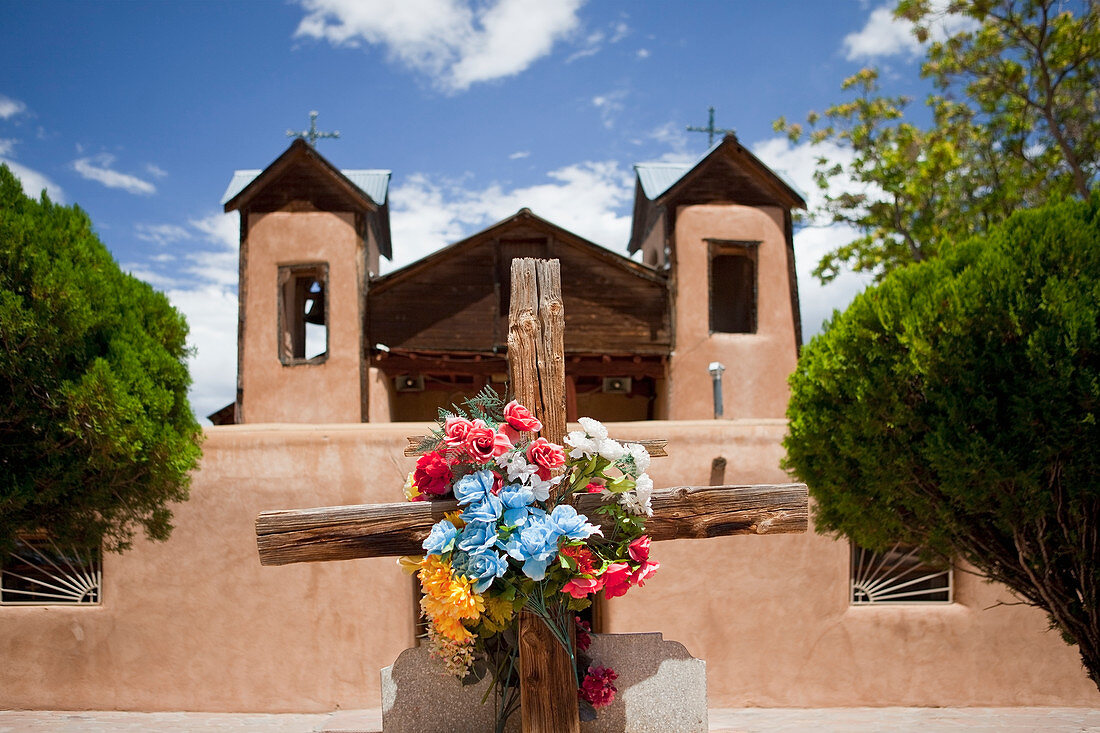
x: 374, y: 183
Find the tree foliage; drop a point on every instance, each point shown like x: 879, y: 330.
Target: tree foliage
x: 955, y: 406
x: 1015, y: 122
x: 96, y: 433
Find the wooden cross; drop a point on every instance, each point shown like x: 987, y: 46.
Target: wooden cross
x: 536, y: 359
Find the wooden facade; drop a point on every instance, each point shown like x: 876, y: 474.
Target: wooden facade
x: 446, y: 317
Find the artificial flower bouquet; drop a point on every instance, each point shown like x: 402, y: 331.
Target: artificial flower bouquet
x: 512, y: 547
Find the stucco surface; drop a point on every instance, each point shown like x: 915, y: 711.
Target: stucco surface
x: 197, y: 624
x: 757, y: 364
x: 328, y: 391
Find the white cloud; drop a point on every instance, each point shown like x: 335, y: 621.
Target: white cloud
x: 7, y: 145
x: 203, y: 285
x: 33, y: 182
x: 609, y: 106
x: 98, y: 168
x: 211, y: 312
x: 885, y: 35
x: 642, y: 53
x: 155, y: 170
x: 456, y: 42
x: 519, y: 155
x: 10, y: 107
x: 797, y: 163
x: 585, y: 198
x: 161, y: 234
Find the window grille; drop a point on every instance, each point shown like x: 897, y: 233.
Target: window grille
x: 897, y: 576
x: 39, y: 572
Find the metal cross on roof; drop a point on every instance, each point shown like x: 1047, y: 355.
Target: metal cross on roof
x: 312, y: 135
x: 710, y: 129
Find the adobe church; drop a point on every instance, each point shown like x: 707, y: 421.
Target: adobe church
x: 324, y: 339
x: 693, y: 344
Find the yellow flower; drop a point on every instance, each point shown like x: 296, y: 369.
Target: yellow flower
x: 410, y: 563
x: 455, y: 518
x: 448, y: 600
x: 411, y: 490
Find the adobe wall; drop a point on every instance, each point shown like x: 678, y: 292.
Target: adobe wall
x: 757, y: 364
x: 197, y: 624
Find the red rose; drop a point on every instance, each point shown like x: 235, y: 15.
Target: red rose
x: 432, y: 474
x: 616, y: 580
x: 480, y: 442
x: 643, y: 573
x: 546, y: 455
x: 593, y: 488
x: 520, y: 418
x: 455, y: 430
x: 583, y: 587
x: 639, y: 549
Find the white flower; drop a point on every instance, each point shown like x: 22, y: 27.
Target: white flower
x: 611, y: 450
x: 640, y: 456
x: 643, y: 485
x: 540, y: 487
x: 594, y: 428
x: 517, y: 466
x: 582, y: 445
x: 636, y: 504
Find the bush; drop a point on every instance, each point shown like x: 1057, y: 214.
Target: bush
x: 955, y: 406
x: 96, y: 433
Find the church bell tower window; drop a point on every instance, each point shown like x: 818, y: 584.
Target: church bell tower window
x: 732, y: 286
x: 303, y: 313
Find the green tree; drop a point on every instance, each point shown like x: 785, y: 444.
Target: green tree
x: 1015, y: 123
x: 955, y: 406
x: 96, y: 434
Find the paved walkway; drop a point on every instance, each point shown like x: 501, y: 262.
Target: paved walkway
x: 747, y: 720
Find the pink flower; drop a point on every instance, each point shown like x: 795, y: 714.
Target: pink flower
x: 432, y: 474
x: 639, y: 549
x: 616, y: 580
x: 644, y: 573
x: 520, y: 418
x: 480, y: 442
x: 582, y: 587
x: 546, y: 455
x: 455, y: 430
x: 584, y: 631
x: 598, y: 687
x: 593, y: 488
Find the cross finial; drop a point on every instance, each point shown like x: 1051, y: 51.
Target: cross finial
x: 710, y: 129
x: 312, y: 135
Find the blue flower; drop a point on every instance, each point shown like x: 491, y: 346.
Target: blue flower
x: 486, y: 509
x: 441, y: 539
x: 473, y: 487
x: 535, y: 545
x: 483, y: 567
x: 565, y: 521
x: 478, y: 537
x: 517, y: 500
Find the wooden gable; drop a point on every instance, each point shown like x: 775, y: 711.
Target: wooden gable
x: 456, y: 300
x: 728, y: 174
x: 301, y: 179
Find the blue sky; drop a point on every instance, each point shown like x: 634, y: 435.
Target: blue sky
x: 140, y: 112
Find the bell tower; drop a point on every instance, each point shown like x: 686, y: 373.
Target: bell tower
x: 311, y: 237
x: 722, y: 229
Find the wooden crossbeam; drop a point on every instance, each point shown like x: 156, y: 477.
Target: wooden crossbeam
x: 655, y: 448
x: 391, y: 530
